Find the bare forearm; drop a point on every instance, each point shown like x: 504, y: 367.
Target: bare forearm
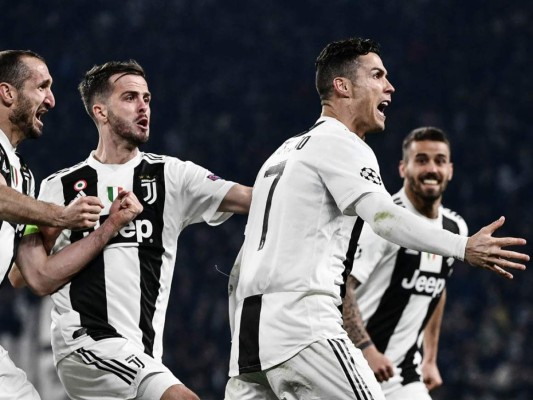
x: 45, y: 274
x: 18, y: 208
x: 237, y: 200
x: 15, y: 277
x: 432, y: 331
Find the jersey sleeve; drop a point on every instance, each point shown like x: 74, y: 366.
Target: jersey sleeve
x: 198, y: 192
x: 52, y: 192
x: 371, y: 250
x: 348, y: 168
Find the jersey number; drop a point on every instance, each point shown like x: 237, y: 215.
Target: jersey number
x: 277, y: 171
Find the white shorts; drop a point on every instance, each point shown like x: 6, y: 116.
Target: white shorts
x: 327, y: 369
x: 411, y: 391
x: 114, y: 369
x: 14, y: 384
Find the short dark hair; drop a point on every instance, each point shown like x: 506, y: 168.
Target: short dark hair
x: 96, y: 83
x: 423, y: 133
x: 339, y: 59
x: 13, y: 69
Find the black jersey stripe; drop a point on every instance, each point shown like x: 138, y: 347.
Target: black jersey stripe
x: 350, y: 253
x: 150, y: 180
x: 249, y: 335
x: 88, y: 288
x: 382, y: 323
x: 16, y: 231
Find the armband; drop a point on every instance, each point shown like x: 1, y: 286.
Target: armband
x: 30, y: 229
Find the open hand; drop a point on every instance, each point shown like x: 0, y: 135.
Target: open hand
x: 485, y: 251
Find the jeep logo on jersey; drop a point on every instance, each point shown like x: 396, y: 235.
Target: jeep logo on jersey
x: 139, y: 229
x: 424, y: 285
x: 150, y: 190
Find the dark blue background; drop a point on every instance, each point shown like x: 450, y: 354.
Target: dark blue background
x: 232, y: 79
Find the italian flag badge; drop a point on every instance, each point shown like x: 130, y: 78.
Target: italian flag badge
x: 113, y: 191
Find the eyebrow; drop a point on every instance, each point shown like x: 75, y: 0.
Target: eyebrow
x: 136, y: 92
x: 47, y: 82
x: 379, y: 69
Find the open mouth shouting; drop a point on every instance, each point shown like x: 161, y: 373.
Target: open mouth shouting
x: 382, y: 106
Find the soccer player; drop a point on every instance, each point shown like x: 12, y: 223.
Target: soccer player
x: 309, y: 202
x: 107, y: 330
x: 401, y: 292
x: 25, y: 96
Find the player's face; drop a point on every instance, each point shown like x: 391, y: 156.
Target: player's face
x: 129, y: 108
x: 372, y: 93
x: 33, y: 100
x: 427, y: 170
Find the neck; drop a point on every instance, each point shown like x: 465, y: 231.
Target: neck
x: 112, y: 150
x: 13, y: 134
x: 428, y: 208
x: 330, y: 110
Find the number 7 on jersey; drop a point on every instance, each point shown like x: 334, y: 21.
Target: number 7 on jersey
x: 277, y: 171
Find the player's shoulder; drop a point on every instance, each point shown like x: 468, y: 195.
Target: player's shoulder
x: 398, y: 200
x: 153, y: 158
x: 456, y: 218
x: 64, y: 172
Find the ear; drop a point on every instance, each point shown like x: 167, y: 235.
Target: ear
x: 8, y: 93
x: 401, y: 169
x: 100, y: 112
x: 341, y: 86
x: 451, y: 171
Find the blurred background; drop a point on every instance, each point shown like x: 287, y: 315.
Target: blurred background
x: 231, y: 80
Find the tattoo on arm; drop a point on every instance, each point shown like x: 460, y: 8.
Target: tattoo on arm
x: 353, y: 321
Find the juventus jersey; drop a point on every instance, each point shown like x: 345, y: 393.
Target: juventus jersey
x: 399, y: 291
x: 124, y: 291
x: 19, y: 177
x: 294, y: 263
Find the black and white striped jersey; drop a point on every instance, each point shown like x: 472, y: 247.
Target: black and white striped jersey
x: 19, y: 177
x: 297, y: 252
x: 124, y: 291
x: 400, y: 289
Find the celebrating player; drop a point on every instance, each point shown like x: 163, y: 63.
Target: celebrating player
x: 309, y: 203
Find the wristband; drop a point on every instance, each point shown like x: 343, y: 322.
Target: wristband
x: 364, y: 345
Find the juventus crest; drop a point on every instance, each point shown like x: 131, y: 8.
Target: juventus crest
x: 149, y: 190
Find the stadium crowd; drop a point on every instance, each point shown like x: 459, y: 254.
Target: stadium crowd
x: 230, y: 81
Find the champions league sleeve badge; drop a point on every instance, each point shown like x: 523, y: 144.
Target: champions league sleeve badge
x: 370, y: 175
x: 213, y: 177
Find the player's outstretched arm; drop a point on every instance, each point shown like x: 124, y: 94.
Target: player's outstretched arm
x: 45, y: 274
x: 400, y: 226
x: 237, y: 200
x: 354, y: 326
x: 485, y: 251
x: 18, y: 208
